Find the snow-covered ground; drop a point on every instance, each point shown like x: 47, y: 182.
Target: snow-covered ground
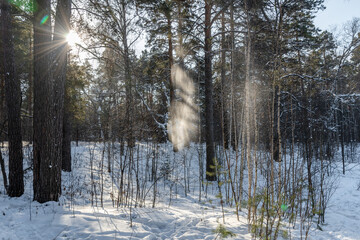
x: 184, y: 217
x: 343, y: 214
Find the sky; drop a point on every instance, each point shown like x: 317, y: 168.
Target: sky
x: 337, y: 13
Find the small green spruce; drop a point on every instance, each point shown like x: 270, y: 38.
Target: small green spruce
x: 223, y: 232
x: 285, y: 234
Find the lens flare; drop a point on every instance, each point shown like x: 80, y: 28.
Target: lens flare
x: 284, y: 207
x: 44, y: 19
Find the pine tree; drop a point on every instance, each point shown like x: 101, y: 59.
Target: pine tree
x: 62, y: 138
x: 13, y: 100
x: 47, y: 168
x: 49, y: 87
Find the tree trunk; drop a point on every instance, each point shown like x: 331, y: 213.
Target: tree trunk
x: 77, y: 134
x: 13, y: 100
x: 248, y: 108
x: 29, y: 133
x: 209, y: 115
x: 62, y: 27
x: 66, y: 143
x: 224, y: 120
x: 128, y: 80
x: 47, y: 168
x: 171, y: 62
x: 233, y: 138
x: 3, y: 171
x: 171, y: 58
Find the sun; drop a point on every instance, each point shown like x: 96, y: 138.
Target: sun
x: 72, y: 38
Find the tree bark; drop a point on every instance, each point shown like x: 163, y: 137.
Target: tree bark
x: 209, y: 109
x: 47, y: 168
x: 29, y: 131
x: 62, y: 27
x: 128, y: 79
x: 13, y: 101
x: 224, y: 120
x: 3, y: 171
x: 66, y: 143
x: 171, y: 58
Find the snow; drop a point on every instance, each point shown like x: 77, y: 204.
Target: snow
x: 184, y: 217
x: 343, y: 214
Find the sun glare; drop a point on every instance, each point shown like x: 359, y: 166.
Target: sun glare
x: 72, y: 38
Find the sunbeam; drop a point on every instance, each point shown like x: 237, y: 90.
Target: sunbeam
x: 72, y: 38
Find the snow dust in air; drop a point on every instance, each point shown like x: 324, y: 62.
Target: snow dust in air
x: 182, y: 126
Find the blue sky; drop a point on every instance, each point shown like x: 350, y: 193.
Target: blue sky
x: 337, y: 13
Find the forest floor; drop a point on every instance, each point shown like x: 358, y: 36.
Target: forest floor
x: 184, y: 217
